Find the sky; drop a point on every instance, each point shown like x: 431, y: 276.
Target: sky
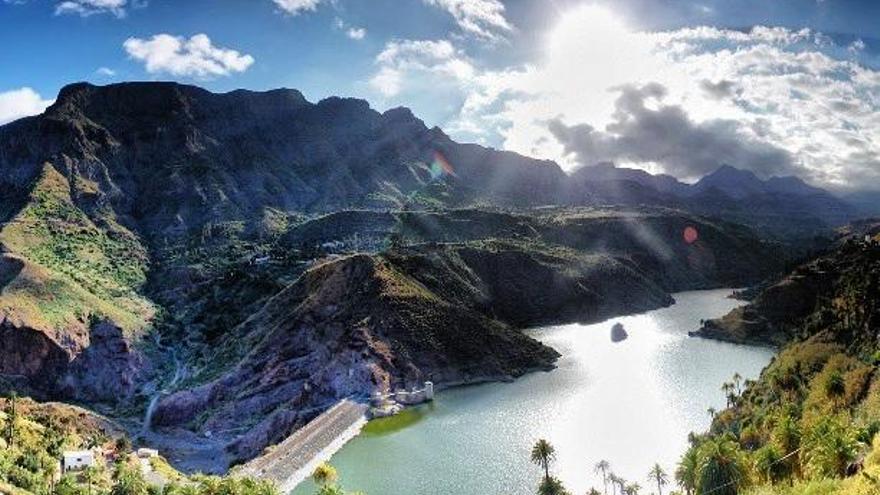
x: 779, y: 87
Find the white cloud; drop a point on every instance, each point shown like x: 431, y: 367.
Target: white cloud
x: 105, y: 72
x: 482, y: 18
x: 193, y: 57
x: 296, y: 7
x: 356, y: 33
x: 770, y: 99
x: 19, y: 103
x: 857, y: 46
x: 86, y: 8
x: 353, y: 32
x: 647, y: 130
x: 411, y: 63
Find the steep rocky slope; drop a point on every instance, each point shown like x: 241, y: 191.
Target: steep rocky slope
x: 831, y: 297
x: 261, y: 256
x: 809, y: 424
x: 445, y: 311
x: 69, y: 307
x: 127, y: 193
x: 362, y: 323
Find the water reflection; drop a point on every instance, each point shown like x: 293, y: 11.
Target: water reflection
x: 632, y: 403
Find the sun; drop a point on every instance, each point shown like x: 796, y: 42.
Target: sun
x: 589, y: 26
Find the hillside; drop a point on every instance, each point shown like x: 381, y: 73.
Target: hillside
x: 36, y: 435
x: 806, y: 426
x: 257, y: 256
x: 458, y: 283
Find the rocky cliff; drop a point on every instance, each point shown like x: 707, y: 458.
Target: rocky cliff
x: 832, y: 297
x: 259, y: 256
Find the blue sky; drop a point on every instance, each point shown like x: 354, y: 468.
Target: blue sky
x: 500, y: 72
x: 307, y: 51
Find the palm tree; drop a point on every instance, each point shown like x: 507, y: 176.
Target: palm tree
x: 621, y: 484
x: 593, y: 491
x: 835, y: 387
x: 13, y: 419
x: 686, y: 472
x: 720, y: 467
x: 551, y: 486
x: 769, y: 465
x: 786, y: 435
x: 615, y: 481
x: 603, y: 467
x: 543, y: 454
x: 829, y: 447
x: 658, y: 475
x: 737, y: 380
x: 711, y: 412
x: 727, y: 388
x: 324, y: 474
x: 632, y: 489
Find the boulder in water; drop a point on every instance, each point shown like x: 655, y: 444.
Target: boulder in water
x: 618, y: 333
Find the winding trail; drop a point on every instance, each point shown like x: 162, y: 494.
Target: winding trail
x: 154, y: 401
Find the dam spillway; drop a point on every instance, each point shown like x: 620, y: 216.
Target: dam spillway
x: 294, y: 459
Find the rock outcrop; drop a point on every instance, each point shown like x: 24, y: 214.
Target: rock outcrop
x: 294, y: 253
x: 364, y: 323
x: 830, y: 297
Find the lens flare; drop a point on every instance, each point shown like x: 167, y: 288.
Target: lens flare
x: 441, y: 167
x: 690, y: 235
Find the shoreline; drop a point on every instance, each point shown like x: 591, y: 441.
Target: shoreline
x: 532, y: 331
x: 430, y: 433
x: 306, y: 471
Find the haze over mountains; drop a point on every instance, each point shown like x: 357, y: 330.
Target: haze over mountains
x: 340, y: 153
x: 293, y: 253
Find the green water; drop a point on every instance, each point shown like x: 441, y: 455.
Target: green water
x: 632, y: 403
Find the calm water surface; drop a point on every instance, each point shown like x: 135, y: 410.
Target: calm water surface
x: 632, y: 403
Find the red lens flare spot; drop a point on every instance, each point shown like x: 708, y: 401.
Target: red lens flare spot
x: 690, y: 235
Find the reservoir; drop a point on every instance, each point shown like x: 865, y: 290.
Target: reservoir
x: 631, y: 403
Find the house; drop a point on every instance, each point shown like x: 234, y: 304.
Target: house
x: 73, y: 460
x: 145, y: 453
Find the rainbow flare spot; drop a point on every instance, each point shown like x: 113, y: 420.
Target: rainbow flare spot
x: 441, y: 167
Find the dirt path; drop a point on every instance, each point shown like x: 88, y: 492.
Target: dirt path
x: 154, y: 401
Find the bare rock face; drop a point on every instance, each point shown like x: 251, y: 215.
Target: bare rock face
x: 832, y: 297
x: 29, y: 353
x: 142, y: 199
x: 97, y: 365
x: 366, y: 323
x: 108, y: 369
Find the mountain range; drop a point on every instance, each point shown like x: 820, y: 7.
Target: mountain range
x: 239, y: 261
x: 779, y: 206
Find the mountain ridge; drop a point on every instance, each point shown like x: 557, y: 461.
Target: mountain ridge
x: 156, y: 216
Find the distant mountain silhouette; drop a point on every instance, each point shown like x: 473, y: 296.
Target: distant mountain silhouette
x: 781, y: 206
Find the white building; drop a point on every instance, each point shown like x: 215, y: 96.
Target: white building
x: 145, y: 453
x: 73, y: 460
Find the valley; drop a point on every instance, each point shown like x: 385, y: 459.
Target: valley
x: 213, y: 271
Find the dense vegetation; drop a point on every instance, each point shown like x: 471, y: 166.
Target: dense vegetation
x: 809, y: 424
x: 33, y: 437
x: 200, y: 232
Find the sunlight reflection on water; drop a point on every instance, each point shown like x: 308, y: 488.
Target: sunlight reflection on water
x: 632, y: 403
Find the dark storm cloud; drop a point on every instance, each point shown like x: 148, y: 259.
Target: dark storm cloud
x: 721, y: 89
x: 666, y: 135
